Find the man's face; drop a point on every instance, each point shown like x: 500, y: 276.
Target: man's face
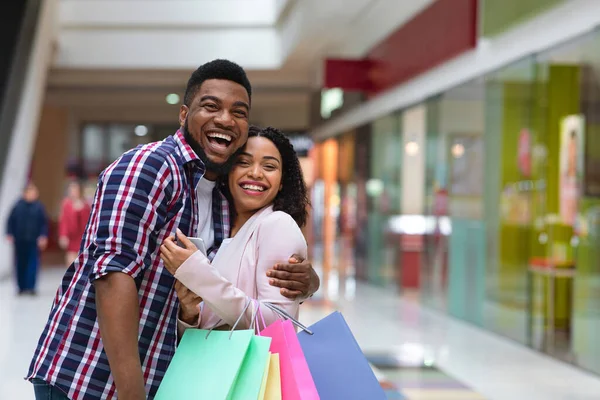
x: 31, y: 194
x: 217, y: 120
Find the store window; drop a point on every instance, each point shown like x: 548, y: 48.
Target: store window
x: 383, y: 189
x: 570, y: 227
x: 453, y: 266
x: 511, y: 130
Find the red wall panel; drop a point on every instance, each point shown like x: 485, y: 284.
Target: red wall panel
x: 443, y: 30
x: 440, y: 32
x: 348, y: 74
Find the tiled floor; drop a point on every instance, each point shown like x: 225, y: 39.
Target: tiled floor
x: 468, y: 363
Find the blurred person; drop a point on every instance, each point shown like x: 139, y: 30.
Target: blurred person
x: 269, y: 206
x: 117, y: 301
x: 74, y: 215
x: 27, y: 229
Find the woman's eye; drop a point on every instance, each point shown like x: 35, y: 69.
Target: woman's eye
x: 270, y: 167
x: 242, y: 162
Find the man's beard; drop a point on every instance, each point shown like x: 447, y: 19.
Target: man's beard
x: 219, y: 169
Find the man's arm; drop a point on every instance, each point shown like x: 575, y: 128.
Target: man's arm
x: 10, y: 224
x: 132, y: 197
x: 117, y: 304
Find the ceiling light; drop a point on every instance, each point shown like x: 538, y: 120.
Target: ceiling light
x: 172, y: 98
x: 141, y: 130
x: 458, y: 150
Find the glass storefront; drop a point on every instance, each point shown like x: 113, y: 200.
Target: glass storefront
x: 383, y: 189
x: 452, y: 263
x: 509, y: 205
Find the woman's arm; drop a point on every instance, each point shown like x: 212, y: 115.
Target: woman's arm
x: 278, y: 238
x: 63, y: 220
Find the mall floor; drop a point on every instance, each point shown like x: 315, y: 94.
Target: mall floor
x: 418, y: 354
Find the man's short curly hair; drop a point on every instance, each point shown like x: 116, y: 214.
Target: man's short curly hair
x: 293, y: 196
x: 216, y: 69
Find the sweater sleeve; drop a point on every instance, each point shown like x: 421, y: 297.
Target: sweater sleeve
x: 278, y: 238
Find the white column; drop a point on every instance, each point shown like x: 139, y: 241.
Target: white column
x: 413, y: 160
x: 26, y: 124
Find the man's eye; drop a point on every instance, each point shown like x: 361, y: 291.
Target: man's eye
x: 210, y: 106
x: 241, y: 114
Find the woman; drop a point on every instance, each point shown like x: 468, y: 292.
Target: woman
x: 74, y: 215
x: 269, y: 203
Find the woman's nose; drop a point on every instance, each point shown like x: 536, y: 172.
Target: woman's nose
x: 255, y: 172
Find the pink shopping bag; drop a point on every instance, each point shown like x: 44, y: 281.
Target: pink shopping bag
x: 296, y: 381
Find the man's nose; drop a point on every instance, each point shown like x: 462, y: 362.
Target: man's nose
x: 224, y: 119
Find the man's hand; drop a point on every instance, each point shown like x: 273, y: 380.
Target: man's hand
x: 189, y: 303
x: 42, y: 243
x: 10, y: 238
x: 296, y: 279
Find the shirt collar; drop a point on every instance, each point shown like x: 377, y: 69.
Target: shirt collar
x: 188, y: 155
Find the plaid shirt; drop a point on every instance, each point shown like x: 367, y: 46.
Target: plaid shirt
x: 141, y: 199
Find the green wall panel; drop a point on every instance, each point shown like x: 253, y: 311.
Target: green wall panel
x: 500, y: 15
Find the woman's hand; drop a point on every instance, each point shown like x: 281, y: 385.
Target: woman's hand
x: 173, y: 255
x: 189, y: 303
x: 63, y: 242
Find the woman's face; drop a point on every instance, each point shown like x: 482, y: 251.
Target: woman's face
x: 74, y: 191
x: 255, y: 178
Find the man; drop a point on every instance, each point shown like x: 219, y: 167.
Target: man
x: 112, y: 328
x: 28, y: 231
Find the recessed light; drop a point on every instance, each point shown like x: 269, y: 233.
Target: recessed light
x: 141, y: 130
x: 172, y: 98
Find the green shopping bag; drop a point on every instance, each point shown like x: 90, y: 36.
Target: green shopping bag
x: 206, y: 365
x: 249, y: 381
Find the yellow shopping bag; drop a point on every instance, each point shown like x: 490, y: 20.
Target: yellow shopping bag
x: 271, y: 385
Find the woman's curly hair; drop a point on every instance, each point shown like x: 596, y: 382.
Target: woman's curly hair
x: 293, y: 196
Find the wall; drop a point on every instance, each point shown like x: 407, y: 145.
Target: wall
x: 50, y: 157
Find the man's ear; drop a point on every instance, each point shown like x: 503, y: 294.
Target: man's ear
x: 183, y: 113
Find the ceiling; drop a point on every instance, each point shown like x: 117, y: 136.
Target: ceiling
x: 120, y: 58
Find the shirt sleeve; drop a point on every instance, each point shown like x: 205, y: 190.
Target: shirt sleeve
x: 278, y: 238
x: 132, y: 202
x: 10, y: 224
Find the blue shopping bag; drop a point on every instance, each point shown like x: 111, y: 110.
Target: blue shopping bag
x: 336, y: 362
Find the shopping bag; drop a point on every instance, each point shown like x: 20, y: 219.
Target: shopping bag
x: 249, y: 380
x: 263, y: 385
x: 206, y: 365
x: 337, y: 364
x: 296, y: 380
x: 273, y: 380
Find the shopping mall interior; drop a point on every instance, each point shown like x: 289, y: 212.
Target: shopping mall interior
x: 447, y: 145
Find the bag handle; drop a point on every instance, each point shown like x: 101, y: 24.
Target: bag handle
x: 256, y: 312
x: 234, y: 325
x: 285, y: 315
